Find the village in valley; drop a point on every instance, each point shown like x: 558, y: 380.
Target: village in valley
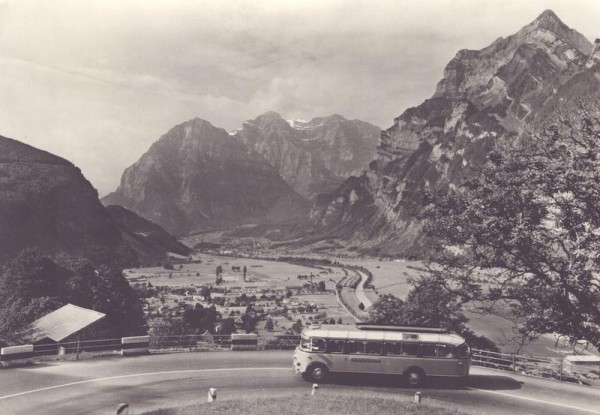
x: 248, y: 295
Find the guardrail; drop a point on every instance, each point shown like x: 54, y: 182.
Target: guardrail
x: 549, y: 368
x: 537, y: 366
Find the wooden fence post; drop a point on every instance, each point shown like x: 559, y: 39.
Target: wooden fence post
x: 560, y: 370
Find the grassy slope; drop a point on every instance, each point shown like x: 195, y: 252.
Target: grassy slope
x: 324, y: 403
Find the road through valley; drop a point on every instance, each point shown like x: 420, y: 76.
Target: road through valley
x: 96, y: 386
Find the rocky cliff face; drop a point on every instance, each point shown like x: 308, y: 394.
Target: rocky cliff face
x: 485, y: 96
x: 45, y: 202
x: 312, y: 156
x: 198, y: 176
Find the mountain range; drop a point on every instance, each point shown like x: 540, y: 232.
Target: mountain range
x: 312, y: 156
x: 485, y: 96
x: 324, y: 178
x: 198, y: 176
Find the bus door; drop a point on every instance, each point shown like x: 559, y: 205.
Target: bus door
x: 364, y: 357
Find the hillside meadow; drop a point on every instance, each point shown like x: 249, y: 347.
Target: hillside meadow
x: 323, y: 403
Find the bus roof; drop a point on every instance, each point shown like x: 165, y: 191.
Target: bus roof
x: 351, y: 332
x: 414, y: 329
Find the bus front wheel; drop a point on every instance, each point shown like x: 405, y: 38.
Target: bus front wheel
x: 317, y: 372
x: 414, y: 376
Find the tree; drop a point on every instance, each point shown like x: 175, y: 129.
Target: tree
x: 388, y: 309
x: 205, y: 293
x: 321, y: 286
x: 199, y: 319
x: 30, y: 275
x: 111, y: 294
x: 16, y: 316
x: 32, y: 285
x: 428, y: 304
x: 297, y: 326
x: 249, y: 321
x: 525, y: 231
x: 269, y: 326
x: 219, y: 272
x: 244, y: 272
x: 227, y: 326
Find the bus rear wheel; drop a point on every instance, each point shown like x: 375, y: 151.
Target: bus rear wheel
x: 317, y: 372
x: 414, y: 377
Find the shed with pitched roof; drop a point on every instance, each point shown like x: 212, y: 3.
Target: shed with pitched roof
x: 69, y: 323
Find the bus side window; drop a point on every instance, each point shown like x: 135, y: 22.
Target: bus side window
x: 373, y: 348
x: 446, y: 351
x: 428, y: 350
x: 410, y: 349
x: 355, y: 347
x: 463, y: 351
x: 336, y: 346
x: 318, y: 345
x: 392, y: 349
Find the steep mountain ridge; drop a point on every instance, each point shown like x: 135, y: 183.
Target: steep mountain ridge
x: 485, y: 97
x: 45, y: 202
x: 197, y: 176
x: 312, y: 156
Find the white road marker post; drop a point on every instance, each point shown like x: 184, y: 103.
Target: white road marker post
x: 123, y: 409
x: 212, y: 395
x: 417, y: 398
x: 314, y: 388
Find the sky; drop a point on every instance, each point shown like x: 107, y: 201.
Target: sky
x: 97, y: 82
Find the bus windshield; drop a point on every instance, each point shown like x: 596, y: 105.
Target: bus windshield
x: 305, y: 344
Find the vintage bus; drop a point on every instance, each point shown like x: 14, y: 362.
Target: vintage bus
x: 412, y: 352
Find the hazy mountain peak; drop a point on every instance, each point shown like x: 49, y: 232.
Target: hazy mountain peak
x: 197, y: 127
x: 549, y: 21
x: 269, y: 116
x: 547, y: 17
x: 312, y: 156
x: 199, y: 122
x: 331, y: 118
x: 269, y: 120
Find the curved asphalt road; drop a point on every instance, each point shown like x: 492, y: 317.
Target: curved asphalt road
x: 148, y: 382
x: 360, y: 291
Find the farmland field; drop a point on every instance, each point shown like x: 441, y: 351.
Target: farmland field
x: 201, y: 270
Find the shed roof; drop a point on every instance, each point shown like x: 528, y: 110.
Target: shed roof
x: 64, y: 322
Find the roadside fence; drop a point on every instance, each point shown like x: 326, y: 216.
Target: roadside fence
x: 543, y: 367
